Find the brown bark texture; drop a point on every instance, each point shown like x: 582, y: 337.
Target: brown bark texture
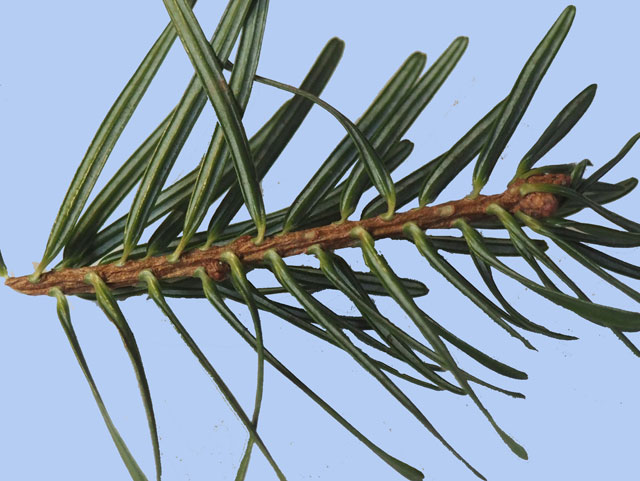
x: 328, y: 237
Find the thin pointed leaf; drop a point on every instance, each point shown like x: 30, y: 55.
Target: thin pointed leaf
x: 111, y: 236
x: 475, y: 354
x: 410, y: 186
x: 324, y: 317
x: 482, y: 358
x: 336, y: 273
x: 421, y: 94
x: 293, y: 315
x: 627, y: 342
x: 497, y: 246
x: 190, y: 107
x: 532, y: 261
x: 170, y: 198
x: 187, y: 288
x: 291, y: 113
x: 609, y: 262
x: 184, y: 118
x: 209, y: 69
x: 345, y: 153
x: 588, y: 263
x: 155, y: 292
x: 65, y: 320
x: 339, y: 273
x: 327, y: 210
x: 429, y: 252
x: 593, y: 234
x: 516, y: 318
x: 600, y: 192
x: 522, y: 242
x: 299, y: 318
x: 411, y: 379
x: 507, y: 392
x: 458, y: 157
x: 101, y: 146
x: 310, y: 276
x: 129, y: 174
x: 412, y: 104
x: 602, y: 171
x: 611, y: 317
x: 602, y: 187
x: 490, y: 363
x: 604, y: 193
x: 520, y: 96
x: 529, y: 249
x: 349, y: 284
x: 416, y: 100
x: 549, y: 169
x: 580, y: 257
x: 241, y: 83
x: 374, y: 166
x: 407, y: 189
x: 358, y: 182
x: 270, y: 150
x: 577, y: 172
x: 302, y: 320
x: 3, y: 267
x: 243, y: 286
x: 617, y: 219
x: 165, y: 233
x: 379, y: 266
x: 111, y: 195
x: 110, y: 307
x: 215, y: 299
x: 559, y: 127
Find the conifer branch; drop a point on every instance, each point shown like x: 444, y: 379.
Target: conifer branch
x: 328, y: 237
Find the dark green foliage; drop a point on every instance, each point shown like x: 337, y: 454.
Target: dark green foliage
x: 372, y: 148
x: 345, y: 154
x: 109, y: 306
x: 65, y: 320
x: 155, y: 292
x: 520, y: 97
x: 3, y: 267
x: 101, y: 146
x: 558, y: 128
x: 241, y: 83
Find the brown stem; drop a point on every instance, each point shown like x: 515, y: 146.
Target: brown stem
x: 329, y: 237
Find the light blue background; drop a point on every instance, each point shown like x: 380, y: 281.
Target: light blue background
x: 62, y: 65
